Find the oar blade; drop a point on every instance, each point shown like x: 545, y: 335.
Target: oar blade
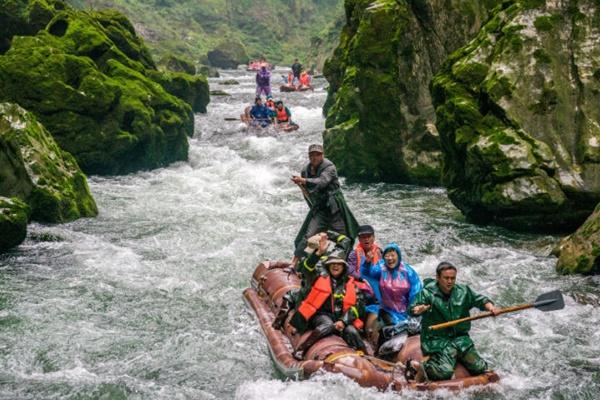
x: 550, y: 301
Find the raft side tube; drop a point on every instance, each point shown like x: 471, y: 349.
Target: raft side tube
x: 279, y: 346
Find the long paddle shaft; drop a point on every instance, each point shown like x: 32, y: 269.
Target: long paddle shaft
x: 546, y: 302
x: 305, y: 194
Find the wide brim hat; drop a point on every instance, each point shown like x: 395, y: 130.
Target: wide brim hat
x: 335, y: 260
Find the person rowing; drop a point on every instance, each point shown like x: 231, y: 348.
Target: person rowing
x: 443, y: 300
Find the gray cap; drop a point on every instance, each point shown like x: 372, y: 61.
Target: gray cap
x: 335, y: 260
x: 315, y: 148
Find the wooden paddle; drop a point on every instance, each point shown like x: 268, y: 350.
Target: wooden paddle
x: 550, y: 301
x: 231, y: 119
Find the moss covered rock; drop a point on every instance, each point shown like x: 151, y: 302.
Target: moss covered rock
x: 193, y: 89
x: 517, y: 110
x: 228, y: 54
x: 35, y: 169
x: 13, y: 222
x: 175, y: 63
x: 380, y: 119
x: 578, y: 253
x: 93, y: 84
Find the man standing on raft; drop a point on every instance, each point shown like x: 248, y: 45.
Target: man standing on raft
x: 328, y: 209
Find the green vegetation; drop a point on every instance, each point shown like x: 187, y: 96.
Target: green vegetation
x: 92, y: 82
x: 34, y: 169
x: 278, y: 30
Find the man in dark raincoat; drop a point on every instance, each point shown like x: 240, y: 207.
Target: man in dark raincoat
x: 328, y: 210
x: 444, y: 300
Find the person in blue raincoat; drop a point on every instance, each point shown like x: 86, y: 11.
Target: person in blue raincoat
x: 260, y: 114
x: 398, y: 284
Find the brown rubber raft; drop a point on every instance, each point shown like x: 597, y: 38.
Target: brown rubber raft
x: 292, y: 88
x: 272, y: 280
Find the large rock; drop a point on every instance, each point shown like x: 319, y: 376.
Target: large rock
x: 175, y: 63
x: 380, y: 119
x: 228, y: 54
x: 518, y: 115
x: 93, y: 84
x: 35, y: 169
x: 578, y: 253
x: 193, y: 89
x: 13, y: 222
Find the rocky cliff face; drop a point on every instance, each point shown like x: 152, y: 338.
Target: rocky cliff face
x: 93, y: 84
x: 517, y: 111
x: 578, y: 253
x: 13, y: 222
x: 380, y: 118
x: 34, y: 169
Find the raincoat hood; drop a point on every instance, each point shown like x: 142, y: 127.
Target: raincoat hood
x: 396, y: 248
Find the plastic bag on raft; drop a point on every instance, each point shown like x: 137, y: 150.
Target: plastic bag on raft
x: 396, y: 335
x: 393, y: 345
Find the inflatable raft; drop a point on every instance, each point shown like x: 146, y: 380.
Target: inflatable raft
x: 292, y: 88
x: 271, y: 280
x: 255, y: 65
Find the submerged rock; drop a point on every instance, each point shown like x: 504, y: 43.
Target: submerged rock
x: 380, y: 119
x: 219, y: 93
x: 517, y: 111
x: 208, y: 71
x: 13, y: 222
x: 35, y: 169
x: 578, y: 253
x: 93, y: 84
x: 228, y: 54
x: 230, y: 82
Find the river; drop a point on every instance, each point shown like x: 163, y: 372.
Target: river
x: 145, y: 301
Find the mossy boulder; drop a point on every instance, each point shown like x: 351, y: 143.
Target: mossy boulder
x: 380, y: 119
x: 175, y: 63
x: 518, y: 118
x: 228, y: 54
x: 93, y: 84
x: 13, y: 222
x: 36, y: 170
x: 578, y: 253
x: 193, y: 89
x: 23, y: 17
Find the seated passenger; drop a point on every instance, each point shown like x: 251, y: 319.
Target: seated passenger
x: 260, y: 114
x: 367, y: 251
x: 283, y: 115
x: 310, y: 267
x: 270, y: 103
x: 334, y: 305
x: 305, y: 79
x: 398, y: 285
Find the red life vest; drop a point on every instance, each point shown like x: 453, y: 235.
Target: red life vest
x: 360, y: 253
x: 319, y: 293
x: 290, y: 78
x: 305, y: 80
x: 270, y: 104
x: 282, y: 115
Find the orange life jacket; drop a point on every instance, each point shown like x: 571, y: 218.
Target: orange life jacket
x: 304, y: 80
x: 360, y: 253
x: 290, y: 78
x: 270, y: 104
x: 282, y: 115
x: 319, y: 293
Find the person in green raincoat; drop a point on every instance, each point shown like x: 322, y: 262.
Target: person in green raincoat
x: 443, y: 300
x: 328, y: 209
